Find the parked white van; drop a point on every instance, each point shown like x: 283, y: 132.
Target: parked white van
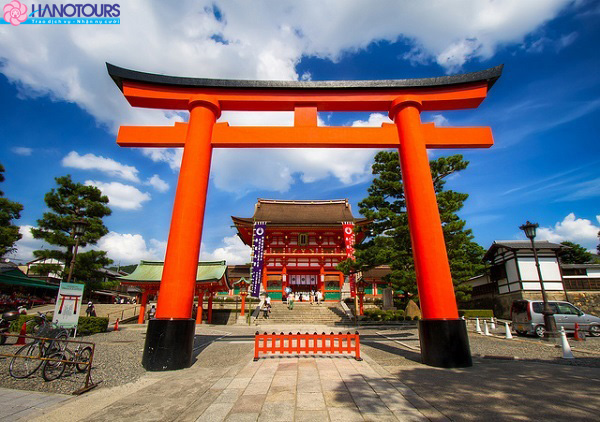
x: 527, y: 317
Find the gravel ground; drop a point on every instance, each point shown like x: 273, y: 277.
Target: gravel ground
x: 118, y: 354
x: 399, y: 346
x: 117, y: 361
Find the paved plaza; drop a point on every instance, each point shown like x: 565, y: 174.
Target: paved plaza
x: 224, y: 384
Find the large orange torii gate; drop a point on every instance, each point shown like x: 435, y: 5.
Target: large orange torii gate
x: 443, y: 336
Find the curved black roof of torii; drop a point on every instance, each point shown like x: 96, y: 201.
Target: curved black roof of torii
x: 119, y: 74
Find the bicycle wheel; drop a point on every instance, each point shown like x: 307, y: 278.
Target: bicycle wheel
x: 51, y: 369
x: 26, y: 361
x: 84, y: 358
x: 58, y: 343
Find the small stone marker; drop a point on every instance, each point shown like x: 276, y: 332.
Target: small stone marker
x: 388, y: 299
x: 412, y: 310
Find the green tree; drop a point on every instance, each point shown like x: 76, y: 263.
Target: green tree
x: 388, y: 236
x: 9, y: 211
x: 575, y: 254
x: 68, y: 203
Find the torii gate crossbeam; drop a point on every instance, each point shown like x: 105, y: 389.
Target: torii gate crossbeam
x: 443, y: 336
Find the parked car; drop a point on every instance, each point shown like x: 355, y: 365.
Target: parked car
x: 527, y: 317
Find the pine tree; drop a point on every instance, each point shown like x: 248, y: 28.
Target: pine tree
x: 68, y: 203
x: 9, y: 210
x: 388, y: 237
x: 575, y: 254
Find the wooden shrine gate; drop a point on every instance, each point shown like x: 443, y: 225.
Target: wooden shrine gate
x: 443, y: 336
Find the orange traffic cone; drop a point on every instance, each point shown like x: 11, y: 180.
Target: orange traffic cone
x: 22, y: 334
x: 116, y: 325
x: 576, y: 334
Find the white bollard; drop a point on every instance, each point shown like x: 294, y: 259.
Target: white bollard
x: 477, y: 326
x: 492, y: 324
x: 564, y: 343
x: 486, y: 332
x: 508, y: 333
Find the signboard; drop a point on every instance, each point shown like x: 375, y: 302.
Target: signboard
x: 349, y: 242
x: 258, y: 250
x: 68, y: 305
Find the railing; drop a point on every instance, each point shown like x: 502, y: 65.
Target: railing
x: 307, y: 343
x: 124, y: 313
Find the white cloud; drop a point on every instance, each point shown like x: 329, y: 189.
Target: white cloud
x: 105, y: 165
x: 171, y: 156
x: 251, y: 40
x: 374, y: 120
x: 439, y: 120
x: 577, y: 230
x: 126, y: 248
x: 157, y: 183
x: 234, y: 252
x: 121, y: 196
x: 22, y: 150
x: 27, y: 244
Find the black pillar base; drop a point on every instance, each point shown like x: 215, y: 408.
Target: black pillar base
x: 444, y: 343
x: 169, y: 344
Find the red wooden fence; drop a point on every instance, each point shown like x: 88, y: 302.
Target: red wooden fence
x: 307, y: 343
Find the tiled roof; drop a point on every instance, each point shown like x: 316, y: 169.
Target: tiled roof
x: 151, y: 271
x: 516, y: 245
x: 300, y: 212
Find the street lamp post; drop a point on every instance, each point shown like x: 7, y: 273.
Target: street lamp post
x: 78, y: 230
x: 549, y: 321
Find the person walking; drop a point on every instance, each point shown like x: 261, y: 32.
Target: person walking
x: 312, y: 296
x: 319, y: 297
x: 90, y: 310
x: 290, y: 301
x: 152, y: 312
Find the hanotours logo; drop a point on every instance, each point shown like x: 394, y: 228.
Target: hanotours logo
x: 15, y: 13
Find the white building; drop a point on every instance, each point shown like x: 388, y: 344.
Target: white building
x: 512, y: 275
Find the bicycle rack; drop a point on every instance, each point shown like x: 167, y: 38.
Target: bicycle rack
x: 89, y: 383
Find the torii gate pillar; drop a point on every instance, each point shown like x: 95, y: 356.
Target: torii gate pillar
x: 443, y: 336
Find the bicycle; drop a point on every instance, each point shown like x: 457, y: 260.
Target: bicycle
x: 29, y: 358
x: 58, y: 361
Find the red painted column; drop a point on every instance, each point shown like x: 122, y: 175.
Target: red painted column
x: 243, y: 295
x: 210, y: 308
x: 200, y: 307
x: 181, y: 261
x: 361, y: 308
x: 436, y: 291
x: 143, y: 304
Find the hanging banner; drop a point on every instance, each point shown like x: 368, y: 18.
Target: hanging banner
x: 68, y: 305
x: 349, y: 242
x: 258, y: 250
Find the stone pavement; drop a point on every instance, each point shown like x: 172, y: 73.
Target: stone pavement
x: 18, y: 404
x: 224, y: 384
x: 272, y: 389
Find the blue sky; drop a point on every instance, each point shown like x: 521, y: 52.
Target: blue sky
x: 61, y: 111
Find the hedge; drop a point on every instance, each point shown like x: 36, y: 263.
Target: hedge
x: 380, y: 315
x: 476, y: 313
x: 86, y: 325
x: 92, y: 325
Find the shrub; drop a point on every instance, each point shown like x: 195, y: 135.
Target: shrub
x: 16, y: 325
x: 86, y: 325
x: 399, y: 315
x: 476, y: 313
x: 388, y: 316
x: 92, y: 325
